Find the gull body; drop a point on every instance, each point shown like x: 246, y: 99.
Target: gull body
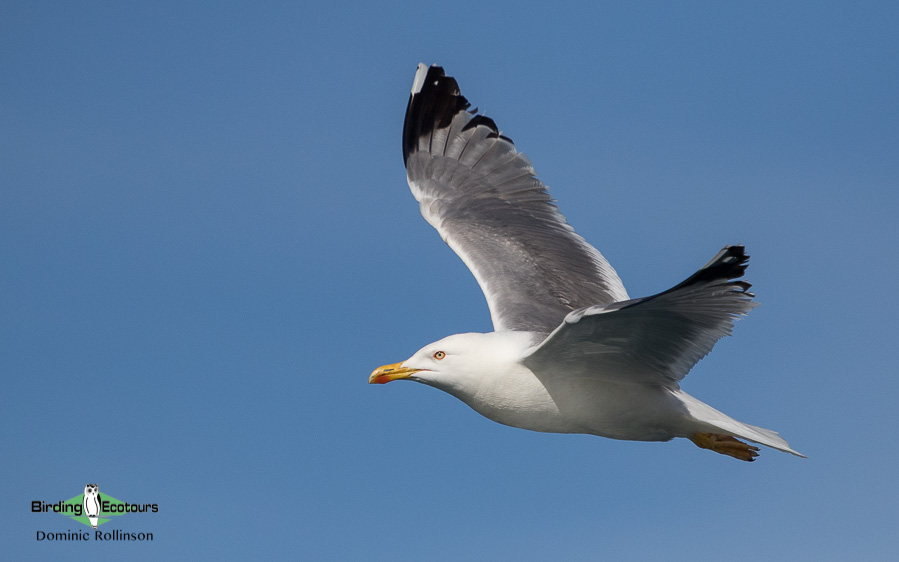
x: 571, y: 351
x: 486, y: 371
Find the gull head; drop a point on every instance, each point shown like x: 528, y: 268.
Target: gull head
x: 459, y: 362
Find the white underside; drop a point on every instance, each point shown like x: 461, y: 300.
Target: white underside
x: 513, y: 395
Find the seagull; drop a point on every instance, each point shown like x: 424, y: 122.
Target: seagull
x: 571, y: 352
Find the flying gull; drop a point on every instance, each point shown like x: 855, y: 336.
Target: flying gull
x: 571, y: 351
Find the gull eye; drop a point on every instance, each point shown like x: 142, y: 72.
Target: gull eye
x: 439, y: 355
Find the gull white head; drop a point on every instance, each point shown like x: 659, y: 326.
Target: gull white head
x: 484, y: 371
x: 458, y: 362
x: 440, y: 364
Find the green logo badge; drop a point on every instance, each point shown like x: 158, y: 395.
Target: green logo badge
x: 93, y: 508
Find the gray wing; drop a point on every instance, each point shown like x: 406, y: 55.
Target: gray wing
x: 654, y: 340
x: 483, y: 198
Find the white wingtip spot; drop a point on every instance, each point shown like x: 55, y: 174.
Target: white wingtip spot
x: 419, y: 78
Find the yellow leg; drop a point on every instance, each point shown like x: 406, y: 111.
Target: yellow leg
x: 726, y: 445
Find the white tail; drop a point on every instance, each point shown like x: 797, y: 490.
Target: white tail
x: 704, y: 413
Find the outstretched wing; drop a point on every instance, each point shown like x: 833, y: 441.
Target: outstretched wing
x: 483, y: 198
x: 654, y: 340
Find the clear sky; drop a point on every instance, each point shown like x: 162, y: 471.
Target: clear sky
x: 207, y: 244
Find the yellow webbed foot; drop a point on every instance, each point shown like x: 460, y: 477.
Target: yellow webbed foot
x: 726, y: 445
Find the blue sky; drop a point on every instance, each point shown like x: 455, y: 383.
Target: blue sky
x: 208, y: 244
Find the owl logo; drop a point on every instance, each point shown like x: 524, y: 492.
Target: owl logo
x: 92, y: 503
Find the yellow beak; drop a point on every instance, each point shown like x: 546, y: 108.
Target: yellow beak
x: 388, y: 373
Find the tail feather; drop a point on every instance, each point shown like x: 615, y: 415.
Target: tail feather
x: 705, y: 414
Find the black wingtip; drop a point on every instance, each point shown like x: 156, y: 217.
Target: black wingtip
x: 730, y: 263
x: 434, y: 101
